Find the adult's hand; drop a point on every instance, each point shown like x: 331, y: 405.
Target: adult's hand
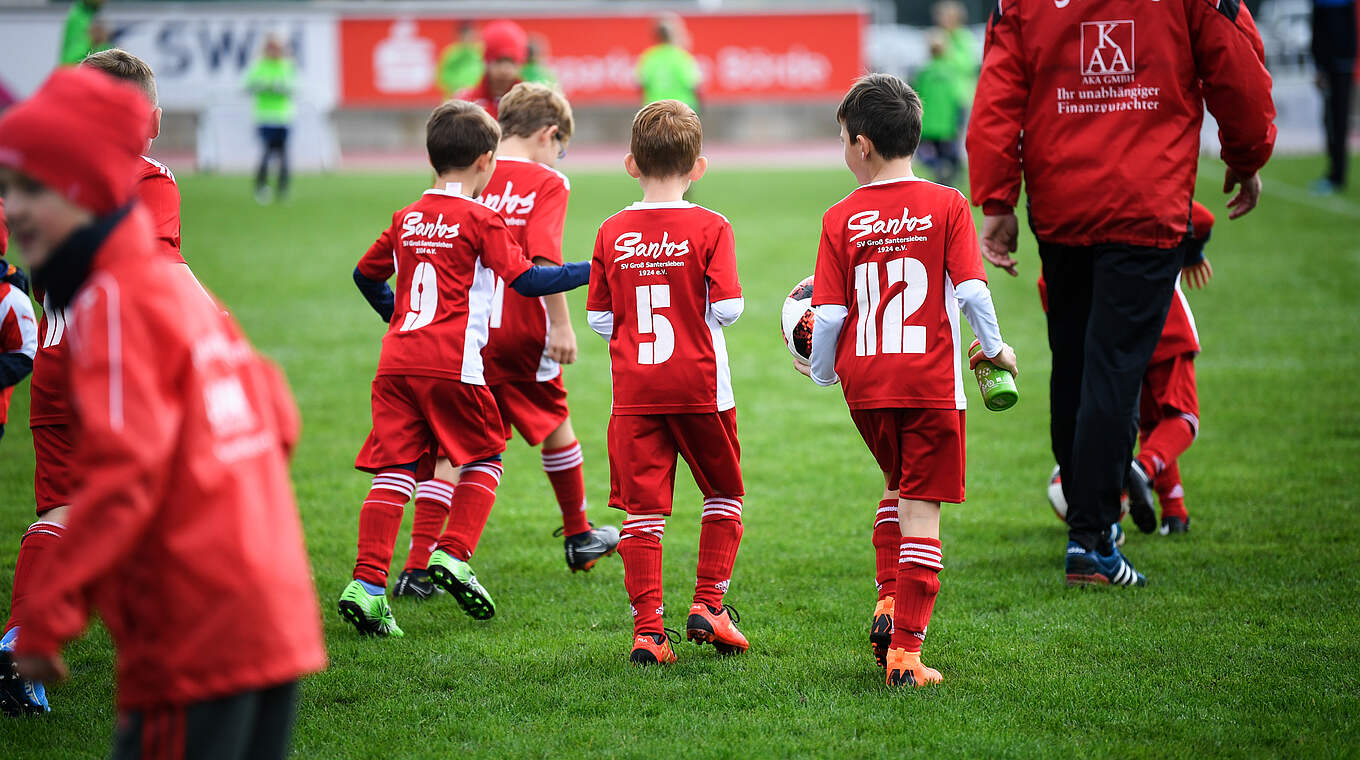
x: 1248, y: 192
x: 1000, y: 235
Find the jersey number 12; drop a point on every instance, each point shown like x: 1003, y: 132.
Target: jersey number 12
x: 907, y: 283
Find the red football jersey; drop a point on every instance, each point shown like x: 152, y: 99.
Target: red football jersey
x: 18, y: 333
x: 182, y: 439
x: 446, y: 250
x: 657, y: 267
x: 1179, y: 335
x: 891, y: 253
x: 532, y: 198
x: 160, y: 195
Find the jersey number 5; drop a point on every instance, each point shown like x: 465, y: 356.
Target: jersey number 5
x: 424, y: 297
x: 907, y: 283
x: 649, y: 299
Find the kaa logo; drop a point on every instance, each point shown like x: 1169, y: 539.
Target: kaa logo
x: 1106, y: 47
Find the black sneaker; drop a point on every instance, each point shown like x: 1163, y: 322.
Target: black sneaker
x: 1172, y: 525
x: 1141, y: 506
x: 415, y: 584
x: 583, y: 550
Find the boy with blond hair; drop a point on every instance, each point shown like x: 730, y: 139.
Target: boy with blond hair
x: 663, y: 285
x: 898, y: 260
x: 529, y: 339
x: 430, y: 394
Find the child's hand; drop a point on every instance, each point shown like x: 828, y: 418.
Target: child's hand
x: 1005, y: 359
x: 802, y: 366
x: 48, y: 669
x: 562, y: 344
x: 1196, y: 276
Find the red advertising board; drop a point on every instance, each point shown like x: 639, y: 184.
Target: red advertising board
x: 389, y: 61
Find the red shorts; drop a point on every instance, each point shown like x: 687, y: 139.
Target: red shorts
x: 416, y: 416
x: 53, y: 475
x: 921, y: 451
x: 534, y: 409
x: 1169, y: 391
x: 642, y: 451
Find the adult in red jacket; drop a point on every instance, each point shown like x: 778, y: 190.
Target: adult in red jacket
x: 188, y: 539
x: 1109, y: 98
x: 505, y: 47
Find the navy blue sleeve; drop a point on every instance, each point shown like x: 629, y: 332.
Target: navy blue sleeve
x: 1194, y: 251
x: 542, y: 281
x: 378, y: 295
x: 14, y: 367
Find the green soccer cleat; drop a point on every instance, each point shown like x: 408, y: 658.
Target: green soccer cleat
x: 371, y: 615
x: 456, y: 577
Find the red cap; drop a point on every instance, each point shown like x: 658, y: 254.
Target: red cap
x: 81, y: 134
x: 505, y: 39
x: 1202, y: 218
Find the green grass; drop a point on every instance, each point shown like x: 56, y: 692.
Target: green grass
x: 1245, y: 643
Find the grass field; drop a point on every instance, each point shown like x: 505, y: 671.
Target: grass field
x: 1246, y: 642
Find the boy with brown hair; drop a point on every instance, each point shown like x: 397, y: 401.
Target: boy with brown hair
x: 663, y: 285
x: 899, y: 259
x: 529, y: 338
x: 430, y: 394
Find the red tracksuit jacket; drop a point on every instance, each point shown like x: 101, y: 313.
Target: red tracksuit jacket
x: 1109, y: 98
x: 183, y: 533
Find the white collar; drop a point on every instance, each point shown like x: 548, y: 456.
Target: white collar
x: 907, y: 178
x: 454, y: 189
x: 660, y: 204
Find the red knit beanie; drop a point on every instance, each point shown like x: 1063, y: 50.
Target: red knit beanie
x: 1202, y: 218
x: 505, y: 39
x: 81, y: 134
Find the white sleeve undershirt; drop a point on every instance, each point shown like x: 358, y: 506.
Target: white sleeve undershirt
x: 601, y: 322
x: 975, y: 301
x: 726, y: 311
x: 826, y: 334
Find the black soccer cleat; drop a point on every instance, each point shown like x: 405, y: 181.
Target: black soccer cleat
x: 1172, y: 525
x: 1141, y: 506
x: 583, y: 550
x: 415, y: 584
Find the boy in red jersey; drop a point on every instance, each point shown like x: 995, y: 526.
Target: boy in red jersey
x: 898, y: 260
x: 529, y: 339
x: 183, y: 433
x: 50, y: 414
x: 663, y: 285
x: 430, y: 394
x: 1168, y: 413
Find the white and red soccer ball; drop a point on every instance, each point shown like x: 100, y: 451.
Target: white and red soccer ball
x: 796, y: 320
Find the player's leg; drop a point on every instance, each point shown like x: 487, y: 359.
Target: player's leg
x: 1173, y: 390
x: 642, y: 479
x: 282, y: 152
x: 710, y: 446
x: 433, y: 498
x: 879, y: 429
x: 262, y: 171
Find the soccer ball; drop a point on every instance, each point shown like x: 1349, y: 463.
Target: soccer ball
x: 1059, y: 502
x: 796, y: 320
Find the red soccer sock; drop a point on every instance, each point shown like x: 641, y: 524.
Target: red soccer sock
x: 34, y: 549
x: 379, y: 522
x: 1170, y: 492
x: 473, y: 498
x: 433, y: 498
x: 1166, y: 442
x: 640, y: 550
x: 918, y: 582
x: 564, y: 468
x: 719, y: 538
x: 887, y: 546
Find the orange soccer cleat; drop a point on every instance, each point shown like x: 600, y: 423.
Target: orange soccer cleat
x: 881, y: 629
x: 652, y: 649
x: 716, y: 627
x: 905, y: 669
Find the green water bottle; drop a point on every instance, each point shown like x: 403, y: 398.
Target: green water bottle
x: 996, y: 385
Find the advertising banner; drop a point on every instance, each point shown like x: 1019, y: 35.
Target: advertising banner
x: 390, y: 60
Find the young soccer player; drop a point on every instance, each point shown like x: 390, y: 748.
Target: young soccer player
x: 529, y: 339
x: 898, y: 260
x: 447, y: 251
x: 50, y: 414
x: 184, y: 525
x: 663, y: 284
x: 1168, y: 415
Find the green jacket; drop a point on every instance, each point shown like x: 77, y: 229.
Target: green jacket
x: 944, y: 93
x: 533, y: 71
x: 668, y: 72
x: 272, y: 82
x: 75, y: 37
x: 460, y: 67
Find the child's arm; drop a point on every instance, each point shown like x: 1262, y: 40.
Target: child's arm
x: 542, y: 281
x: 963, y: 265
x: 724, y: 289
x: 371, y: 274
x: 828, y: 308
x: 561, y: 337
x: 599, y: 301
x: 19, y: 337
